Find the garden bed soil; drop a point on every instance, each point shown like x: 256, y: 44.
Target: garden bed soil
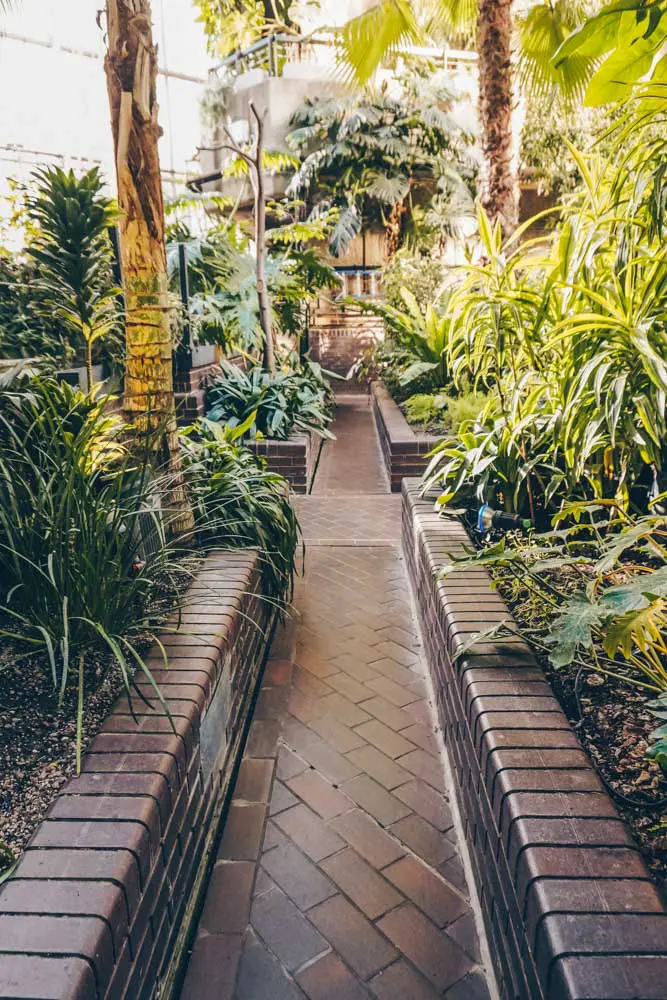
x: 614, y: 726
x: 570, y: 909
x: 38, y: 747
x: 38, y: 738
x: 405, y: 451
x: 103, y: 899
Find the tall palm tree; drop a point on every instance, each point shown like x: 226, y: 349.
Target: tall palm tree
x: 388, y: 25
x: 131, y: 70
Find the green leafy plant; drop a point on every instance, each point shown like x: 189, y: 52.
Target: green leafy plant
x: 294, y: 400
x: 598, y: 583
x: 237, y: 503
x: 603, y: 575
x: 623, y: 44
x: 224, y: 308
x: 465, y: 407
x: 421, y: 337
x: 373, y: 157
x: 72, y: 250
x: 415, y: 270
x: 423, y: 408
x: 26, y: 328
x: 75, y: 511
x: 570, y: 334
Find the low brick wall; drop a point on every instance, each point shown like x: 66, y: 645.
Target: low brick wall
x: 569, y: 906
x: 404, y: 451
x: 102, y: 901
x: 293, y: 459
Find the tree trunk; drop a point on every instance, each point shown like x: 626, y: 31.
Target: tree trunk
x: 494, y: 41
x: 265, y: 318
x: 131, y: 70
x: 394, y: 229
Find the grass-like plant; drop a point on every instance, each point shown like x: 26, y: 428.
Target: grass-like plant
x: 238, y: 503
x: 75, y: 508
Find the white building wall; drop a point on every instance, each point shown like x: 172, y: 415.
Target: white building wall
x: 54, y: 103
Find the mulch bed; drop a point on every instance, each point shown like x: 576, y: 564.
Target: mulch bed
x: 38, y: 737
x: 614, y: 726
x: 38, y: 746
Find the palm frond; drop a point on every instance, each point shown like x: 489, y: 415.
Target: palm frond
x: 347, y: 227
x: 449, y: 17
x: 388, y: 190
x: 541, y: 33
x: 369, y: 39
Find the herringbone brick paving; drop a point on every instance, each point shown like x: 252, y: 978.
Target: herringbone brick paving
x: 338, y: 875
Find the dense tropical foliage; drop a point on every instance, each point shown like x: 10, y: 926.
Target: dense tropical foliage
x: 297, y: 398
x: 380, y: 157
x: 58, y: 299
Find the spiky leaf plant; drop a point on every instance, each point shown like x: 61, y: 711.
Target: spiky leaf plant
x: 73, y: 253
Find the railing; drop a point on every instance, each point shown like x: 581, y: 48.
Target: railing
x: 276, y: 51
x: 359, y: 283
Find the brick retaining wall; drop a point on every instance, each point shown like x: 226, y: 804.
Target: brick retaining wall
x: 404, y: 451
x: 101, y: 902
x: 293, y: 459
x: 569, y: 906
x: 340, y: 341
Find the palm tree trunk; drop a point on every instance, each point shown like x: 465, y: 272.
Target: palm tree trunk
x: 494, y: 42
x: 131, y: 70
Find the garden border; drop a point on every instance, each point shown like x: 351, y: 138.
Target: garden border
x: 570, y: 909
x: 102, y: 903
x: 293, y: 459
x: 403, y: 450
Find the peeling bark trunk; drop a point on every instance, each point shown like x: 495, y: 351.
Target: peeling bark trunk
x: 131, y: 71
x: 494, y: 41
x: 262, y: 291
x: 394, y: 230
x: 257, y: 171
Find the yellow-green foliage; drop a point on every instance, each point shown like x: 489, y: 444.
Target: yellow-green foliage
x: 448, y: 411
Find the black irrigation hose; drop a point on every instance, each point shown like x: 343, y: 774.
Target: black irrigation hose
x: 317, y: 465
x: 627, y: 799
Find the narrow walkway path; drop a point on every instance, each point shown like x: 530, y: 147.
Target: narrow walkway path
x: 338, y: 876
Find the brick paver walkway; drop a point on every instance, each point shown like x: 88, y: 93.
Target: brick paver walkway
x: 338, y: 876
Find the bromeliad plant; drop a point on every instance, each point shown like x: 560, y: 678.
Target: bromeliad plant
x: 273, y: 406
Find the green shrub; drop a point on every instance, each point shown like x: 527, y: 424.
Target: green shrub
x: 292, y: 400
x: 74, y: 511
x: 423, y: 408
x: 459, y: 409
x: 448, y: 412
x: 420, y: 273
x: 237, y: 503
